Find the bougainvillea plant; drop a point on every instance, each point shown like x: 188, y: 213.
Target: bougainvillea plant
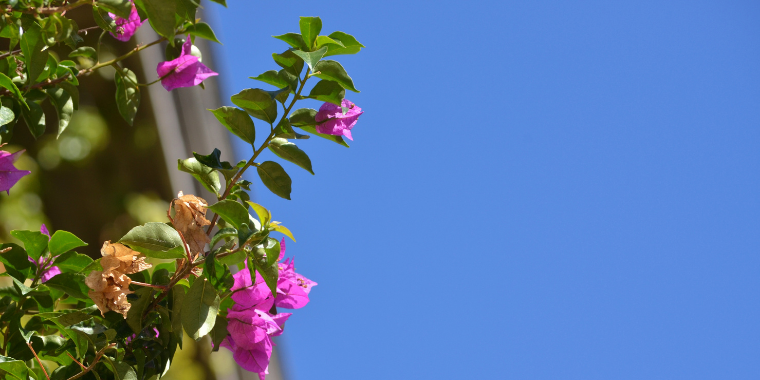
x: 221, y: 274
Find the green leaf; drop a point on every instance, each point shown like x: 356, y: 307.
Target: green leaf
x: 34, y: 118
x: 159, y: 240
x: 73, y: 91
x: 177, y: 297
x: 289, y: 61
x: 236, y: 121
x: 324, y: 40
x: 125, y: 371
x: 85, y: 51
x: 121, y: 8
x: 311, y: 58
x: 270, y: 273
x: 16, y: 262
x: 351, y: 45
x: 273, y: 251
x: 32, y: 43
x: 293, y: 39
x: 64, y: 106
x: 332, y: 70
x: 222, y: 234
x: 291, y: 152
x: 35, y: 242
x: 72, y: 262
x: 64, y: 241
x: 103, y: 20
x: 15, y: 369
x: 258, y: 103
x: 127, y: 94
x: 213, y: 160
x: 204, y: 174
x: 6, y: 115
x: 8, y: 84
x: 328, y: 91
x: 282, y: 229
x: 223, y: 2
x: 71, y: 284
x: 310, y: 28
x: 272, y: 78
x: 303, y: 116
x: 202, y: 30
x: 161, y: 16
x: 275, y: 178
x: 231, y: 211
x: 219, y: 332
x: 199, y: 309
x: 313, y: 130
x: 265, y: 216
x: 135, y: 314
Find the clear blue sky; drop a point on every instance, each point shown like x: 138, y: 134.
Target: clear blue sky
x: 537, y: 190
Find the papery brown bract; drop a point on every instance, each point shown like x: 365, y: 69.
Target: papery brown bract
x: 189, y: 220
x: 111, y: 285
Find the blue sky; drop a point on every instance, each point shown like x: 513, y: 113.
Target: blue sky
x: 537, y: 190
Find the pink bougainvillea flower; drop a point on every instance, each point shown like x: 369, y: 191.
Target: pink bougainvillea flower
x: 249, y: 327
x: 9, y: 175
x: 126, y: 27
x: 254, y: 360
x: 184, y: 71
x: 338, y: 120
x: 248, y: 295
x: 292, y: 288
x: 45, y: 265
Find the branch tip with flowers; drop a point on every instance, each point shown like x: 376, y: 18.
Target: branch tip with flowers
x: 224, y: 276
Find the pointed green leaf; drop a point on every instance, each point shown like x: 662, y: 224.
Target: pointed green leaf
x: 127, y: 94
x: 103, y: 20
x: 303, y: 116
x: 6, y: 115
x: 219, y: 332
x: 35, y: 242
x: 64, y: 241
x: 71, y: 284
x: 291, y: 152
x: 32, y: 43
x: 324, y: 40
x: 351, y: 45
x: 8, y: 84
x: 289, y: 61
x: 158, y: 240
x: 328, y: 91
x: 258, y: 103
x: 135, y: 314
x: 34, y: 118
x: 72, y: 262
x: 202, y: 30
x: 275, y: 178
x: 236, y: 121
x: 161, y: 15
x: 16, y: 262
x: 199, y: 309
x: 310, y: 28
x: 311, y: 58
x: 213, y: 160
x: 15, y: 369
x: 264, y: 215
x: 282, y: 229
x: 231, y: 211
x: 332, y: 70
x: 204, y: 174
x: 293, y: 39
x: 121, y: 8
x: 64, y: 106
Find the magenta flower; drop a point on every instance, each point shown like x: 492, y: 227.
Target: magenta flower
x: 250, y: 338
x: 292, y: 288
x: 9, y: 175
x: 45, y: 266
x: 248, y: 295
x: 254, y: 360
x: 184, y: 71
x: 126, y: 27
x: 334, y: 120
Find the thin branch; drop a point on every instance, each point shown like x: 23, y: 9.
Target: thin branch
x: 50, y: 10
x: 94, y: 362
x: 38, y: 361
x: 76, y: 361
